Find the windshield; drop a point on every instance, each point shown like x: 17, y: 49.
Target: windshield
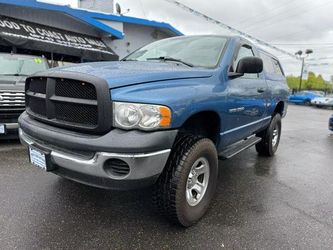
x: 320, y: 93
x: 19, y: 65
x: 199, y: 51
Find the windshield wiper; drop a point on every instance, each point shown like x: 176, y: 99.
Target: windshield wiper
x: 14, y: 74
x: 133, y: 60
x: 166, y: 58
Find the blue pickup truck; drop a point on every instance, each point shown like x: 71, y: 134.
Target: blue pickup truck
x: 162, y: 116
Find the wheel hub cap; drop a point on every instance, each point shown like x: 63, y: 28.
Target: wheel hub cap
x: 275, y: 136
x: 197, y: 181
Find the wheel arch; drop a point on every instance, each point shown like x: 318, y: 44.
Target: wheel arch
x: 205, y: 123
x: 280, y: 108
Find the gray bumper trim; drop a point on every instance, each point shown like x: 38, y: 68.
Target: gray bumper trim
x: 142, y: 165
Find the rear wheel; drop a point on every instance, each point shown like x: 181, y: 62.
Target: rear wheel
x: 307, y: 102
x: 187, y: 185
x: 270, y: 137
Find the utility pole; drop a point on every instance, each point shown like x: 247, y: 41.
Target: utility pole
x: 301, y: 78
x: 298, y: 54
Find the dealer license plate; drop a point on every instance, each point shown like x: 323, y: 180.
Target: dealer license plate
x: 37, y: 158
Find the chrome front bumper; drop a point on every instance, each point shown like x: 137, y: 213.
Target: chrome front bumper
x: 144, y: 168
x: 10, y: 131
x: 11, y: 126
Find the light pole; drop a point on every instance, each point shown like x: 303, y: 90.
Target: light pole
x: 299, y: 55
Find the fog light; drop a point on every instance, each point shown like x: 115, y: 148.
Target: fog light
x: 116, y: 167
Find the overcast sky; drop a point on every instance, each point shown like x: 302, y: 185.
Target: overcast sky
x: 289, y: 24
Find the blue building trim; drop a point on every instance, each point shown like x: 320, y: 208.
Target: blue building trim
x: 90, y: 17
x: 135, y: 20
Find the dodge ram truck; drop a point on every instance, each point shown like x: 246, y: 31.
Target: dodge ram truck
x: 161, y: 117
x: 14, y: 69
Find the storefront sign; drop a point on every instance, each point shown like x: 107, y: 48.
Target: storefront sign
x: 10, y: 27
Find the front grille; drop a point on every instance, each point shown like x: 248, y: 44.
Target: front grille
x: 69, y: 103
x: 12, y: 104
x: 38, y: 85
x: 83, y: 114
x: 12, y: 99
x: 75, y: 89
x: 37, y: 105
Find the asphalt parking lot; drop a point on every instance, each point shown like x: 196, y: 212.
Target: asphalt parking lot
x: 267, y: 203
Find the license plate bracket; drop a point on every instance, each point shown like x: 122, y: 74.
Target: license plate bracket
x: 40, y: 158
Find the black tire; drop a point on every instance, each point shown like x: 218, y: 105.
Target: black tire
x: 266, y: 147
x: 169, y: 193
x: 307, y: 102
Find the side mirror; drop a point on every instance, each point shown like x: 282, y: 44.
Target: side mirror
x: 247, y: 65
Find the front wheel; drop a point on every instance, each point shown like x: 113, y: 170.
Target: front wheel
x: 270, y: 137
x: 187, y: 185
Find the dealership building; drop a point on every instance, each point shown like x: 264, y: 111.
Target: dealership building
x: 89, y: 33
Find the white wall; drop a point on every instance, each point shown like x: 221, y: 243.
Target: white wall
x: 113, y: 24
x: 98, y: 5
x: 136, y: 36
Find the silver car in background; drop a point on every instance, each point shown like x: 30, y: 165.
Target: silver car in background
x: 320, y: 102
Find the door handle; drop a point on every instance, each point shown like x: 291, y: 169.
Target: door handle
x: 260, y: 90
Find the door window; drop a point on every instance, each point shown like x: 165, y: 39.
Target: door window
x: 271, y: 65
x: 244, y: 51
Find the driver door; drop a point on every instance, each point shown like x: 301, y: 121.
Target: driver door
x: 246, y: 100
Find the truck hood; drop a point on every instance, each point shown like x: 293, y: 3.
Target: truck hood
x: 119, y: 74
x: 15, y: 83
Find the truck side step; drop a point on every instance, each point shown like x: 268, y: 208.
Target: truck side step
x: 239, y: 147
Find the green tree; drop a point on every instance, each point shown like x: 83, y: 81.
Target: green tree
x: 293, y: 82
x: 313, y: 82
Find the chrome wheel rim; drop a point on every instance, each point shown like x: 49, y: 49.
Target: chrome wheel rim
x: 197, y: 181
x: 275, y: 136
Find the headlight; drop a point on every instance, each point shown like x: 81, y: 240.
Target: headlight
x: 140, y: 116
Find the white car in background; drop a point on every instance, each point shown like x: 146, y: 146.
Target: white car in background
x: 320, y: 102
